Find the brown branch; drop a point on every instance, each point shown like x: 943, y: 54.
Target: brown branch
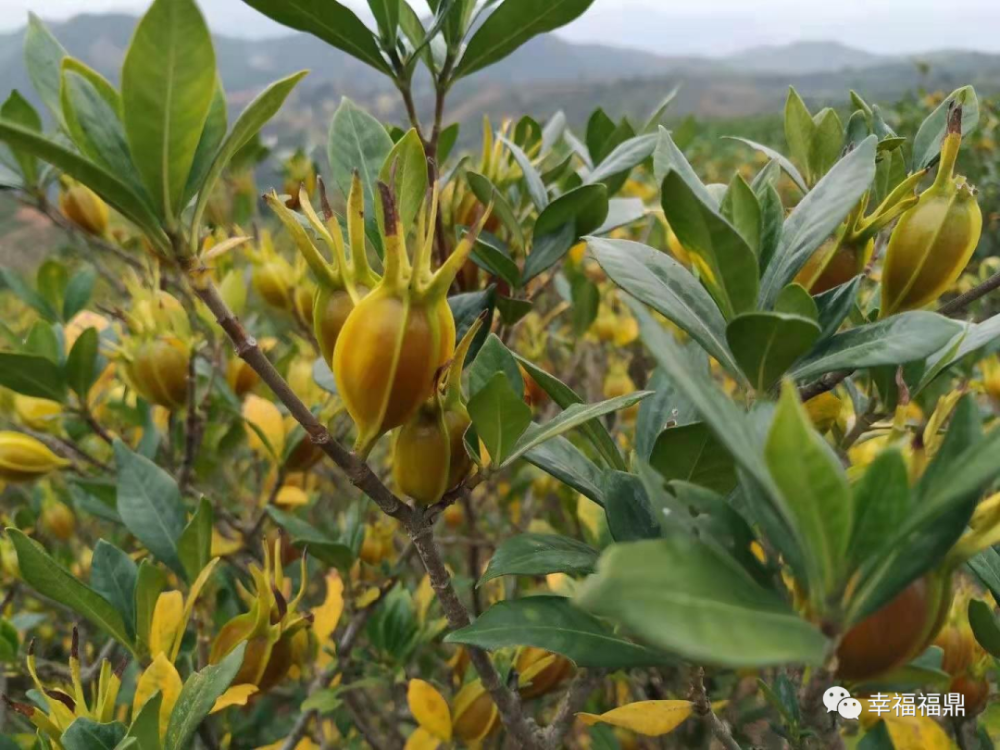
x: 576, y: 695
x: 703, y: 710
x: 64, y: 448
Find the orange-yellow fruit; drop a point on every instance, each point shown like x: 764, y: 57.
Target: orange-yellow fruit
x: 474, y: 714
x: 159, y: 371
x: 84, y: 208
x: 58, y: 520
x: 548, y: 678
x: 241, y: 377
x: 23, y: 458
x: 330, y: 311
x: 274, y: 281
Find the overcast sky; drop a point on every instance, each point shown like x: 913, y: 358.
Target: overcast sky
x: 710, y: 27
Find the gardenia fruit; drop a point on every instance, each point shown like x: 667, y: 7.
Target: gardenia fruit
x: 934, y: 240
x: 396, y: 339
x: 23, y: 458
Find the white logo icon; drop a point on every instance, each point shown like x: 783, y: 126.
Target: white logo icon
x: 839, y: 700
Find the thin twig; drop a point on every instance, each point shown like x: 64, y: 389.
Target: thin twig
x: 576, y: 695
x: 703, y: 709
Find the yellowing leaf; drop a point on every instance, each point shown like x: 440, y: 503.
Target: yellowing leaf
x: 237, y: 695
x: 369, y: 596
x: 651, y: 718
x: 421, y: 739
x: 222, y: 545
x: 192, y: 597
x: 429, y: 708
x: 424, y: 598
x: 305, y: 743
x: 160, y: 677
x: 327, y: 615
x: 291, y: 497
x: 265, y: 416
x: 165, y: 622
x: 916, y: 733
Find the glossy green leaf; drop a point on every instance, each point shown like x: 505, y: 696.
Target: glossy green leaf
x: 740, y: 207
x: 494, y: 358
x: 727, y: 263
x: 113, y: 575
x: 149, y: 504
x: 795, y: 300
x: 113, y: 190
x: 548, y: 249
x: 490, y: 254
x: 984, y: 626
x: 816, y: 217
x: 572, y: 417
x: 18, y: 110
x: 532, y: 180
x: 87, y: 734
x: 565, y: 397
x: 927, y: 141
x: 780, y: 158
x: 800, y: 130
x: 766, y: 344
x: 197, y: 697
x: 833, y: 306
x: 667, y: 407
x: 624, y: 158
x: 656, y: 279
x: 244, y: 130
x: 145, y: 727
x: 78, y: 291
x: 212, y: 136
x: 688, y: 597
x: 500, y: 417
x: 881, y: 500
x: 827, y: 142
x: 488, y: 193
x: 32, y: 375
x: 307, y: 536
x: 692, y: 453
x: 512, y: 24
x: 81, y: 364
x: 567, y: 463
x: 901, y: 338
x: 586, y: 205
x: 539, y: 555
x: 150, y: 582
x: 386, y: 14
x: 622, y: 212
x: 194, y: 545
x: 168, y: 80
x: 43, y: 56
x: 554, y: 624
x: 50, y: 579
x: 331, y: 21
x: 816, y: 495
x: 629, y: 513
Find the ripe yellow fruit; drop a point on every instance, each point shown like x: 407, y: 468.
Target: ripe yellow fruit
x: 37, y: 413
x: 84, y: 208
x: 266, y: 418
x: 158, y: 371
x: 58, y: 520
x: 24, y: 458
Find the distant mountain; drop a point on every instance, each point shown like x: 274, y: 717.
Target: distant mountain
x: 545, y: 75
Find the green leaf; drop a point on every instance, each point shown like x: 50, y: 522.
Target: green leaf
x: 817, y: 498
x: 653, y: 277
x: 572, y: 417
x: 43, y: 55
x: 532, y: 180
x: 827, y: 142
x: 168, y: 80
x: 795, y: 300
x: 729, y: 266
x: 493, y: 358
x: 986, y: 566
x: 554, y: 624
x: 245, y: 129
x: 834, y: 305
x: 43, y: 341
x: 490, y: 255
x: 740, y: 207
x: 117, y: 193
x: 800, y: 131
x: 927, y: 141
x: 18, y: 110
x: 305, y: 535
x: 539, y: 555
x: 667, y: 407
x: 409, y: 164
x: 564, y: 461
x: 212, y: 136
x: 488, y: 193
x: 113, y: 575
x: 512, y: 24
x: 198, y: 696
x: 881, y: 504
x: 149, y: 503
x: 150, y: 582
x: 688, y: 597
x: 693, y: 454
x: 145, y: 726
x: 586, y: 205
x: 78, y: 291
x: 548, y: 249
x: 816, y: 217
x: 772, y: 224
x: 81, y: 364
x: 32, y: 375
x: 50, y: 579
x: 96, y: 128
x: 624, y: 158
x: 87, y: 734
x: 766, y: 344
x: 780, y: 158
x: 194, y: 545
x: 984, y: 626
x: 729, y: 423
x: 500, y: 417
x: 357, y: 142
x: 622, y: 212
x: 386, y: 14
x: 902, y: 338
x: 629, y: 513
x: 329, y: 20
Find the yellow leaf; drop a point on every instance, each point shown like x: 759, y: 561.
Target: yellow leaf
x: 223, y: 545
x: 424, y: 598
x: 429, y: 708
x: 265, y: 416
x: 165, y: 622
x: 916, y: 733
x: 421, y: 739
x: 305, y: 743
x: 369, y: 596
x: 192, y: 597
x: 327, y: 615
x: 160, y: 677
x: 291, y: 497
x: 237, y: 695
x: 651, y: 718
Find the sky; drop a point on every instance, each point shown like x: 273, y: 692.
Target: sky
x: 672, y: 27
